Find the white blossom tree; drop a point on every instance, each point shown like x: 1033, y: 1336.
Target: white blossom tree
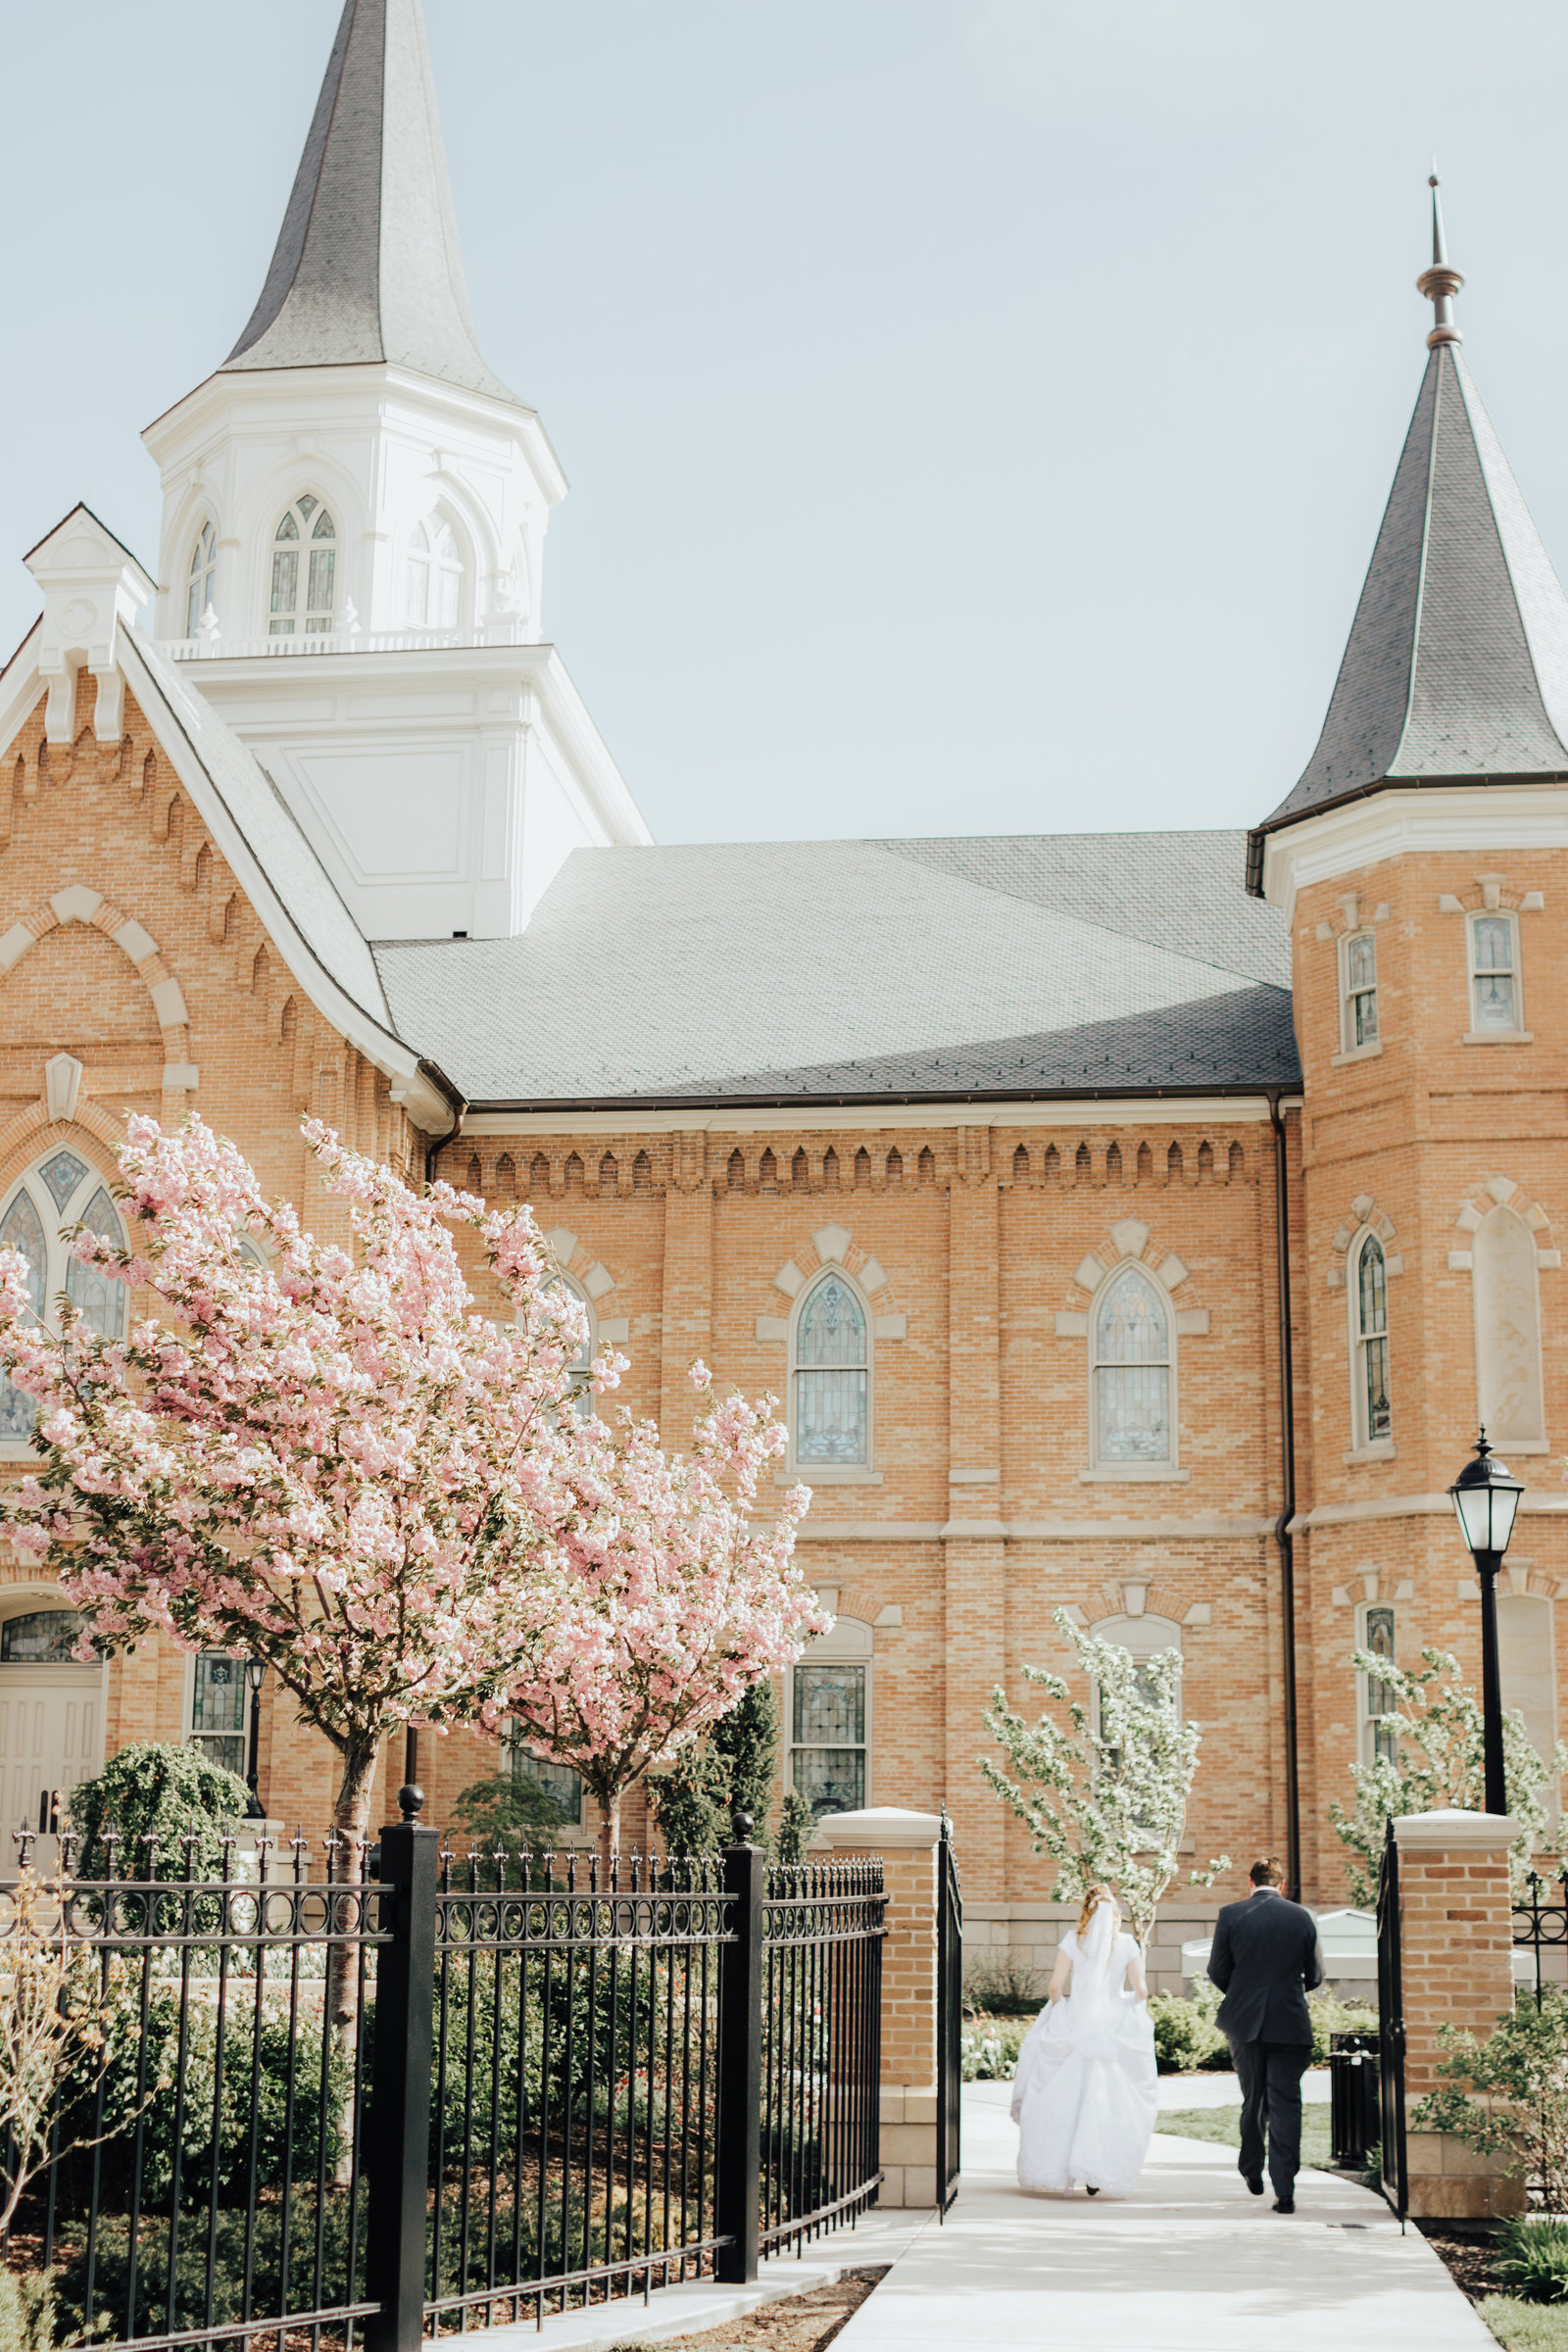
x: 1105, y: 1796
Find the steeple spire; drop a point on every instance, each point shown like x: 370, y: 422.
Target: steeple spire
x: 1456, y: 669
x: 366, y: 265
x: 1440, y: 285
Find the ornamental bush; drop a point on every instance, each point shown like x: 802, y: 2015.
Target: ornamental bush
x: 1507, y: 2096
x: 1531, y: 2257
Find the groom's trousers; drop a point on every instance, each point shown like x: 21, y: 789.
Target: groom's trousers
x: 1270, y: 2075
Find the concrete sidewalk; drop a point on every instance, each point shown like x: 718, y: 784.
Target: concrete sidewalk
x: 1190, y: 2263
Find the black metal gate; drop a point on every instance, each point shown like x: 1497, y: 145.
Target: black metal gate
x: 950, y: 2018
x: 1396, y: 2174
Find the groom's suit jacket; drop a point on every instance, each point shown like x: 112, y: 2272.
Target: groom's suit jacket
x: 1265, y: 1959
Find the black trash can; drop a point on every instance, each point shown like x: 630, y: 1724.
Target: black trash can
x: 1354, y: 2116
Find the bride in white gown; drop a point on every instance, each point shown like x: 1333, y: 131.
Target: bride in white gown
x: 1084, y: 2096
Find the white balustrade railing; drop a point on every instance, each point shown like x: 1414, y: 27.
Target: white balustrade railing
x: 216, y: 648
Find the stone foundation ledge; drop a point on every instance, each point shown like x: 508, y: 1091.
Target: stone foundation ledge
x: 1450, y: 2181
x: 907, y: 2147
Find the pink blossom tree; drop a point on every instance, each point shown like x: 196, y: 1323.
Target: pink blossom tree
x: 326, y: 1458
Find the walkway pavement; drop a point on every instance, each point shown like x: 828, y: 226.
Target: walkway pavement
x: 1190, y: 2263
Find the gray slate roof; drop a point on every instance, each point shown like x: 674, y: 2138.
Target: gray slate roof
x: 366, y: 265
x: 1457, y: 660
x: 864, y: 970
x: 282, y: 851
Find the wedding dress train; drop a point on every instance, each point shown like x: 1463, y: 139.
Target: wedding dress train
x: 1085, y: 2094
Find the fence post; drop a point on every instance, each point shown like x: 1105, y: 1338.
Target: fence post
x: 738, y: 2212
x: 397, y: 2141
x: 910, y: 1846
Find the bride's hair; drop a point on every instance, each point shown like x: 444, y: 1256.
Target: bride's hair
x: 1094, y: 1897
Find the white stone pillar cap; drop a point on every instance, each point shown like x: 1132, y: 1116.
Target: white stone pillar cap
x: 875, y: 1826
x: 1484, y: 1833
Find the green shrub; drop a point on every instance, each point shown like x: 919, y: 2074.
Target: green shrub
x: 1507, y: 2096
x: 1186, y: 2036
x: 1001, y: 1989
x: 510, y: 1811
x: 156, y: 1787
x: 1531, y: 2257
x: 1331, y: 2014
x: 27, y: 2313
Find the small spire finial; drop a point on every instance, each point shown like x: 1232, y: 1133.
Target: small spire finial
x: 1440, y: 285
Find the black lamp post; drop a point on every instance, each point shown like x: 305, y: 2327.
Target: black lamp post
x: 1485, y: 1496
x: 254, y: 1676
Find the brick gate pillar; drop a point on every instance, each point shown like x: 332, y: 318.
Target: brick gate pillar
x: 908, y: 1843
x: 1456, y: 1947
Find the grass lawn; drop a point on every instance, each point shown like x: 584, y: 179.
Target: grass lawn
x: 1522, y: 2327
x: 1223, y: 2125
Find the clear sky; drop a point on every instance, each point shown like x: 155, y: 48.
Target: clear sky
x: 978, y: 411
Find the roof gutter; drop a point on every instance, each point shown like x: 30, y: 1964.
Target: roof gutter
x: 799, y: 1100
x: 437, y: 1077
x: 1282, y: 1525
x: 1258, y: 837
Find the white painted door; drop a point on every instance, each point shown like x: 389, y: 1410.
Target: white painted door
x: 51, y: 1737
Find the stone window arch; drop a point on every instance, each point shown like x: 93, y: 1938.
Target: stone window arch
x: 303, y: 594
x: 201, y: 577
x: 1142, y: 1636
x: 46, y: 1205
x: 830, y: 1375
x: 1367, y: 1293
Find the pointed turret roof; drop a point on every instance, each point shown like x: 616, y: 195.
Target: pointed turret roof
x: 366, y: 265
x: 1456, y: 670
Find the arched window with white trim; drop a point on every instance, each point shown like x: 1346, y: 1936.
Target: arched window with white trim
x: 1372, y: 1414
x: 199, y: 582
x: 831, y: 1376
x: 433, y: 589
x: 1132, y: 1373
x: 303, y: 600
x: 61, y: 1193
x: 1496, y: 1009
x: 1358, y: 986
x: 828, y: 1710
x: 1527, y: 1661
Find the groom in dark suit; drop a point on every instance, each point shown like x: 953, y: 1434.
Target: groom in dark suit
x: 1265, y: 1959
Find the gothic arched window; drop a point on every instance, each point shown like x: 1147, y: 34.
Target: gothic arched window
x: 1369, y: 1311
x: 579, y: 1371
x: 199, y: 585
x: 832, y: 1376
x: 1131, y: 1372
x: 63, y: 1192
x: 433, y: 580
x: 303, y: 596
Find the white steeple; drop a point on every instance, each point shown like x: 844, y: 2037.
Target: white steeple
x: 354, y: 485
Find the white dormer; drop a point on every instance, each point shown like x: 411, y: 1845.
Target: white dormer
x: 353, y: 538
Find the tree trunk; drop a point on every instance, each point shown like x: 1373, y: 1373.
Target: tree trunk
x: 610, y: 1826
x: 351, y: 1817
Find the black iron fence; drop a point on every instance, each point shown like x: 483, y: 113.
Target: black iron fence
x: 462, y: 2091
x: 949, y: 2018
x: 1394, y: 2173
x: 1540, y: 1929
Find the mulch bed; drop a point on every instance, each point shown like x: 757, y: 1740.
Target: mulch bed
x: 1466, y: 2254
x: 794, y: 2324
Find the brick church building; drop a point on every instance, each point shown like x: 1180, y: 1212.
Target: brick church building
x: 1135, y: 1223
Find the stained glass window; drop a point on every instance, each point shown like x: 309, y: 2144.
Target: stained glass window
x: 199, y: 586
x: 434, y: 577
x: 827, y: 1734
x: 43, y: 1637
x: 1360, y: 990
x: 21, y: 1229
x: 62, y: 1175
x: 1372, y: 1342
x: 1378, y: 1737
x: 318, y: 579
x: 1132, y: 1372
x: 218, y: 1710
x: 831, y: 1419
x: 96, y: 1297
x: 1492, y: 971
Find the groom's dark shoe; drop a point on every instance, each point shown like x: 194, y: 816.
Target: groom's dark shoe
x: 1285, y: 2204
x: 1254, y: 2181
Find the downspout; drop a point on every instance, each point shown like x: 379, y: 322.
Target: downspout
x: 1282, y: 1525
x: 458, y: 1109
